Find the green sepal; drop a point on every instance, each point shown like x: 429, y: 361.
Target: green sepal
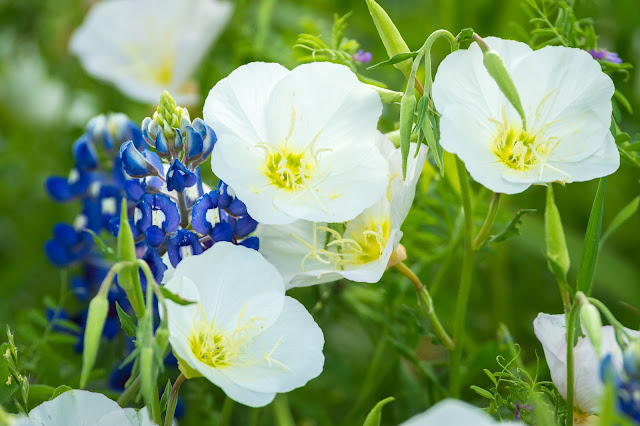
x: 98, y: 310
x: 592, y: 324
x: 127, y: 323
x: 390, y: 36
x: 556, y: 246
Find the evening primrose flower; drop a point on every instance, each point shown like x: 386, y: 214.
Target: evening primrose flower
x: 551, y: 332
x: 308, y: 253
x: 83, y: 408
x: 566, y: 100
x: 297, y: 144
x: 453, y: 412
x: 146, y: 46
x: 243, y: 334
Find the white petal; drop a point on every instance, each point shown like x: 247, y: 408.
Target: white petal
x: 330, y: 104
x: 78, y: 407
x: 284, y: 357
x: 237, y: 104
x: 453, y: 412
x: 231, y: 280
x: 566, y: 86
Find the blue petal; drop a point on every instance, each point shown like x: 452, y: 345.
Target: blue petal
x: 222, y: 232
x: 251, y: 242
x: 244, y: 226
x: 57, y: 253
x: 151, y: 202
x: 133, y: 162
x: 193, y: 145
x: 65, y: 234
x: 85, y: 153
x: 162, y: 145
x: 156, y: 264
x: 199, y: 211
x: 179, y: 177
x: 182, y: 238
x: 178, y: 141
x: 224, y: 198
x: 80, y: 289
x: 58, y: 188
x: 154, y: 236
x: 151, y: 141
x: 237, y: 208
x: 134, y: 190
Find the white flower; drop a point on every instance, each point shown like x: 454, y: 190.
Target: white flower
x: 146, y: 46
x: 567, y: 104
x: 83, y: 408
x: 308, y: 253
x: 587, y: 387
x: 244, y: 334
x: 453, y: 412
x: 297, y: 144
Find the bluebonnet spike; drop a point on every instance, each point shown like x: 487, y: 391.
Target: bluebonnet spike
x: 179, y: 177
x: 181, y: 244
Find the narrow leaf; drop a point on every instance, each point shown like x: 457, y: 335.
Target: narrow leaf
x: 622, y: 216
x: 375, y: 415
x: 99, y: 242
x: 126, y: 322
x: 174, y: 298
x: 482, y: 392
x: 592, y: 241
x: 512, y: 229
x: 394, y: 60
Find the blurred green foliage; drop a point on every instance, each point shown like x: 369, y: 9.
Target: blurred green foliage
x: 377, y: 345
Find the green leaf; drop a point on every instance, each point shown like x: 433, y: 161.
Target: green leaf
x: 512, y: 229
x: 375, y: 415
x: 99, y: 242
x: 482, y: 392
x: 339, y: 28
x: 6, y: 390
x: 622, y: 216
x: 60, y: 390
x: 164, y: 401
x: 174, y: 298
x: 592, y: 241
x: 618, y: 96
x: 394, y: 60
x: 126, y: 321
x: 491, y: 376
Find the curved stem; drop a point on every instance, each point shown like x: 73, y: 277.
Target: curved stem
x: 494, y: 206
x: 427, y: 57
x: 571, y: 332
x: 173, y: 400
x: 424, y: 299
x: 465, y: 283
x: 129, y: 393
x: 227, y: 410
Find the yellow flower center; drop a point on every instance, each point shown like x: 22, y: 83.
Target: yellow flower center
x: 286, y: 168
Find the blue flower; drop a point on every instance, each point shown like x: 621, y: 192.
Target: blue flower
x: 113, y: 129
x: 159, y: 217
x: 84, y: 153
x: 181, y: 244
x: 179, y: 177
x: 156, y: 264
x: 65, y: 189
x: 67, y: 245
x: 139, y: 164
x: 199, y: 142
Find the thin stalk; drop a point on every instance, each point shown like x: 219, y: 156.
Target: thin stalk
x: 129, y: 393
x: 227, y: 411
x: 173, y: 400
x: 184, y: 212
x: 494, y: 206
x: 609, y: 316
x: 465, y: 283
x: 155, y: 406
x: 282, y: 411
x: 571, y: 332
x: 424, y: 299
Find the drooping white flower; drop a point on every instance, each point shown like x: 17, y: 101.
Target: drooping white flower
x: 308, y: 253
x: 243, y: 334
x: 83, y: 408
x: 567, y: 104
x: 453, y: 412
x: 297, y: 144
x: 587, y: 388
x: 146, y: 46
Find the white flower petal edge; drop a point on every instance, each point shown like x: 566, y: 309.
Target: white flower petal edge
x: 551, y: 332
x: 297, y: 144
x: 567, y: 102
x: 78, y: 407
x: 146, y: 46
x: 453, y: 412
x: 303, y: 259
x: 243, y: 334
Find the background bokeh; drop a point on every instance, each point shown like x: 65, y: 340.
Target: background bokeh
x: 46, y: 98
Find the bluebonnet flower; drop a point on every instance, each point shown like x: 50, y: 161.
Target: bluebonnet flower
x: 176, y: 215
x: 68, y: 245
x: 627, y: 382
x: 604, y: 55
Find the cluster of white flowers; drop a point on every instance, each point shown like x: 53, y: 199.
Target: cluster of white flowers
x: 301, y: 148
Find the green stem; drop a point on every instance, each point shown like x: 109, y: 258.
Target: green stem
x: 609, y: 316
x: 571, y: 331
x: 424, y: 299
x: 282, y: 411
x: 173, y: 400
x: 494, y: 206
x: 465, y: 283
x: 427, y: 57
x: 155, y: 405
x: 129, y: 393
x: 184, y: 212
x: 227, y: 411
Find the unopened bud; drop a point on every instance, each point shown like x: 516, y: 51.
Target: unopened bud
x: 591, y: 323
x: 407, y: 109
x: 390, y: 36
x: 398, y: 255
x: 98, y: 310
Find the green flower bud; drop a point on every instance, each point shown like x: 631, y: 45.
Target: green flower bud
x: 147, y: 375
x: 98, y: 309
x: 557, y: 253
x: 592, y: 324
x: 170, y: 116
x: 498, y: 71
x: 390, y: 36
x: 407, y: 109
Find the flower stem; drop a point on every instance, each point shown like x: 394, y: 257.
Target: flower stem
x: 227, y: 410
x: 424, y: 299
x: 173, y: 400
x: 494, y: 206
x: 465, y: 283
x: 571, y: 331
x: 184, y: 212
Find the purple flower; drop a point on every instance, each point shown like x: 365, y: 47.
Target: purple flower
x: 604, y: 55
x: 362, y: 56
